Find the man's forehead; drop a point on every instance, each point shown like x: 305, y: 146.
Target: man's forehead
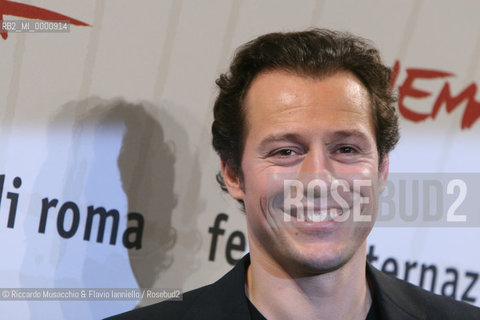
x: 278, y: 91
x: 277, y: 78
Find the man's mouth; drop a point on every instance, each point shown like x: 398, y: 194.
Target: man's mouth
x: 310, y: 211
x: 313, y: 214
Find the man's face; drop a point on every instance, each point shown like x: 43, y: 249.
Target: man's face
x: 301, y: 128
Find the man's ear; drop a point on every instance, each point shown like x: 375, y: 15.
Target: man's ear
x: 383, y: 171
x: 232, y: 182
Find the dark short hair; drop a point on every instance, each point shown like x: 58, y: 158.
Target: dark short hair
x: 314, y: 53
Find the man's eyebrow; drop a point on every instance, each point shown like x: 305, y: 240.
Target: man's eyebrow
x: 295, y: 138
x: 347, y: 134
x: 341, y: 134
x: 279, y: 137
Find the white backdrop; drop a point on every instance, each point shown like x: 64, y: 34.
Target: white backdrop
x: 117, y: 115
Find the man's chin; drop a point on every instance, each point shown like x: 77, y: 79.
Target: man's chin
x: 314, y: 260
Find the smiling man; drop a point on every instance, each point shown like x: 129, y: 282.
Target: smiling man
x: 320, y: 127
x: 303, y: 125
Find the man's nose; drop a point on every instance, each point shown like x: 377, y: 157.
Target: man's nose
x: 316, y: 172
x: 316, y: 163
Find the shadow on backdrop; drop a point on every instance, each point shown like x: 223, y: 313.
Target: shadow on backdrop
x: 115, y: 154
x: 147, y: 163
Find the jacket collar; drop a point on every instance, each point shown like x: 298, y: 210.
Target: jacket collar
x: 392, y: 298
x: 225, y: 298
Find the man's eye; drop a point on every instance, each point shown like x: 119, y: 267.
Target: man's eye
x: 284, y: 153
x: 346, y: 149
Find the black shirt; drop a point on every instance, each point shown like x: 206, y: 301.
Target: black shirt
x: 256, y: 315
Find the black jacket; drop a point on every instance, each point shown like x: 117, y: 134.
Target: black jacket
x: 225, y: 299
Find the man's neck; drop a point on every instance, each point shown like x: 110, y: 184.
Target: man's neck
x: 339, y: 294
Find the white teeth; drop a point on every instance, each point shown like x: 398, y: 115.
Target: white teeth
x: 324, y: 215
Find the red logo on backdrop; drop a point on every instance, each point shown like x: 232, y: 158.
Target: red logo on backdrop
x: 444, y: 98
x: 31, y: 12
